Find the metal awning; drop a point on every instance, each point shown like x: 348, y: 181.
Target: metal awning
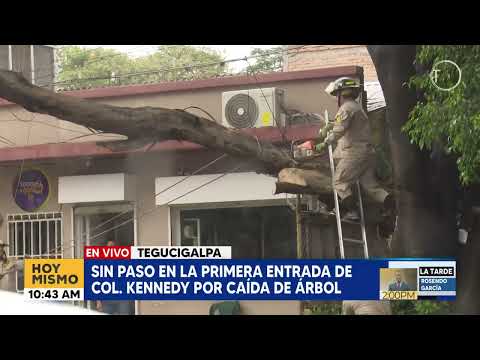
x: 375, y: 98
x: 215, y: 188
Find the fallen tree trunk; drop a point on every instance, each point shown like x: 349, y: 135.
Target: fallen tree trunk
x: 152, y: 123
x: 301, y: 181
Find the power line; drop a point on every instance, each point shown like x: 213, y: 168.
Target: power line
x: 156, y: 71
x: 22, y: 60
x: 23, y: 160
x: 179, y: 197
x: 23, y: 163
x: 57, y: 49
x: 157, y: 194
x: 178, y: 182
x: 185, y: 67
x: 189, y: 67
x: 89, y: 62
x: 7, y: 141
x: 51, y: 64
x: 181, y: 179
x: 87, y: 135
x: 42, y: 123
x: 204, y: 111
x: 282, y: 133
x: 167, y: 188
x: 184, y: 179
x: 131, y: 50
x: 100, y: 59
x: 200, y: 65
x: 173, y: 185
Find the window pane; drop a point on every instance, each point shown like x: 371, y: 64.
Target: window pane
x: 4, y: 57
x: 251, y: 232
x: 30, y: 246
x: 41, y: 237
x: 18, y: 235
x: 191, y: 232
x: 21, y: 60
x: 58, y: 234
x: 51, y: 238
x: 34, y: 236
x: 11, y: 236
x: 280, y: 233
x: 25, y: 234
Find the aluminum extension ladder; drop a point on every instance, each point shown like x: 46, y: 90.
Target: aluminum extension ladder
x: 341, y: 239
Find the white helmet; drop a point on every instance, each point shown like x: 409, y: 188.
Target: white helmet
x: 341, y: 84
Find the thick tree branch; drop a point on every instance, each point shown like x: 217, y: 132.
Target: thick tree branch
x: 136, y: 123
x: 151, y: 124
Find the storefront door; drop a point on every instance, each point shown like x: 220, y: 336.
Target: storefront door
x: 105, y: 225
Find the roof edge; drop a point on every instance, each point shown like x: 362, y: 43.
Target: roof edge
x: 45, y: 152
x: 177, y: 86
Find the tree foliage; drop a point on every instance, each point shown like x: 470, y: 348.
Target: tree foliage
x: 268, y: 60
x: 178, y: 58
x: 404, y: 307
x: 449, y: 118
x: 100, y: 67
x: 81, y: 66
x: 421, y: 307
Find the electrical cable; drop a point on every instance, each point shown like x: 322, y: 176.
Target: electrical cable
x: 191, y: 66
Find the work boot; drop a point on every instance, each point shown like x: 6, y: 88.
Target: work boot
x: 389, y: 204
x: 323, y: 209
x: 351, y: 215
x: 349, y: 203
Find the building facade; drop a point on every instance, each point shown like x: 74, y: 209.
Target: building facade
x: 61, y: 189
x: 35, y: 62
x: 310, y: 57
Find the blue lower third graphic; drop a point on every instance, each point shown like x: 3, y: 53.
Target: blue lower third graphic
x: 435, y: 284
x: 232, y: 279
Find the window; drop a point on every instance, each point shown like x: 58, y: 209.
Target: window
x: 34, y: 235
x: 252, y: 232
x: 20, y: 57
x: 95, y: 226
x: 191, y: 232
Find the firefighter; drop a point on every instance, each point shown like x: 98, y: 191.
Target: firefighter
x: 354, y: 154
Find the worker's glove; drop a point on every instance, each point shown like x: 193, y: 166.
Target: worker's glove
x: 320, y: 147
x: 322, y: 134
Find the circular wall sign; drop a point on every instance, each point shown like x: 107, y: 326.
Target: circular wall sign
x: 31, y: 190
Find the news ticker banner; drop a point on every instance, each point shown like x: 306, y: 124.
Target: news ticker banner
x: 209, y: 273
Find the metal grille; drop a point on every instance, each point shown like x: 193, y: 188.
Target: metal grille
x: 35, y: 235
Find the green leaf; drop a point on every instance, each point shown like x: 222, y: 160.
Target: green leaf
x: 451, y: 117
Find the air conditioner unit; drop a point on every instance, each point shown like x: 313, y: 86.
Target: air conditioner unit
x: 253, y: 108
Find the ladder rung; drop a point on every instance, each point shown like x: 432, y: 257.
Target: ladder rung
x: 351, y: 222
x: 353, y: 241
x: 344, y: 220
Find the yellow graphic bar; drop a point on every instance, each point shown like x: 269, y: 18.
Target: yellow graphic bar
x: 53, y: 273
x: 399, y: 295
